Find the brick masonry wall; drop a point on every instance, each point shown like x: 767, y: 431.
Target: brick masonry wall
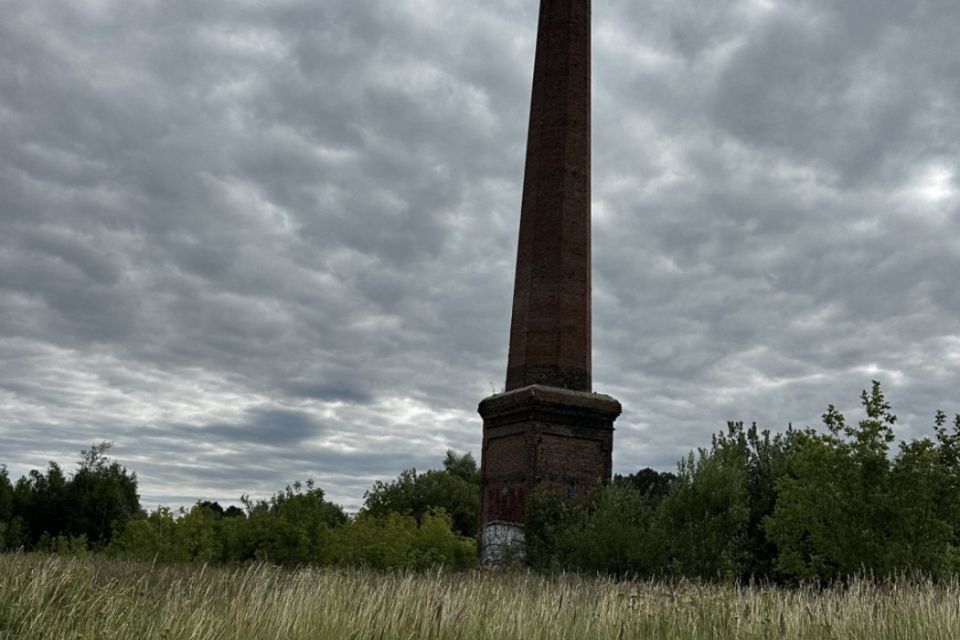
x: 540, y: 436
x: 551, y: 322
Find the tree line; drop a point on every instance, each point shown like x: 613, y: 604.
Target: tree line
x: 805, y: 505
x: 802, y: 505
x: 419, y: 521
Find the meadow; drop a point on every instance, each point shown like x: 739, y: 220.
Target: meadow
x: 52, y: 598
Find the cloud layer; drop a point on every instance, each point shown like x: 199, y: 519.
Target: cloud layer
x: 253, y: 242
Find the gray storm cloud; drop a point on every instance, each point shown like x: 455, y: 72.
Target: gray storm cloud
x: 254, y: 242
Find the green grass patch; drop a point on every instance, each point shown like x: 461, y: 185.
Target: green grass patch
x: 51, y: 598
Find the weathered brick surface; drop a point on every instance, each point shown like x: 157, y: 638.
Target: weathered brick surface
x: 580, y: 458
x: 505, y: 456
x: 539, y: 436
x: 550, y: 330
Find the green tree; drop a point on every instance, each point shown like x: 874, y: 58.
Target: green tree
x: 6, y: 507
x: 42, y: 504
x: 455, y: 489
x: 399, y: 542
x: 293, y: 527
x: 764, y: 457
x: 834, y: 509
x: 649, y: 482
x: 213, y: 507
x: 604, y: 531
x: 700, y: 528
x: 102, y: 496
x: 705, y: 521
x: 197, y: 536
x: 923, y: 511
x: 151, y: 538
x: 948, y: 490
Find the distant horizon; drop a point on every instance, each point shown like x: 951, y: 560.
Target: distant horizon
x: 177, y: 502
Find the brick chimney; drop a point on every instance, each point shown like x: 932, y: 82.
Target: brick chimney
x: 548, y: 431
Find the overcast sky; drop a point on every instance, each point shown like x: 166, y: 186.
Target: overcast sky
x: 257, y: 241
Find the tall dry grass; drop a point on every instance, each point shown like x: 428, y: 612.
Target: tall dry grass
x: 51, y: 598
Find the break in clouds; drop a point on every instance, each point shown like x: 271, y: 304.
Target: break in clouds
x: 254, y: 242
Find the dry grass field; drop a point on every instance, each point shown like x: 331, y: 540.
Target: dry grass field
x: 50, y: 598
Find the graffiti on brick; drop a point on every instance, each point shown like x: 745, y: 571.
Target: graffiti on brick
x: 500, y: 541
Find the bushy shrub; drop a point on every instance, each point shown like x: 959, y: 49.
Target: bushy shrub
x: 799, y: 506
x: 845, y: 507
x: 700, y: 527
x: 400, y: 542
x: 296, y: 526
x: 604, y: 530
x: 455, y: 489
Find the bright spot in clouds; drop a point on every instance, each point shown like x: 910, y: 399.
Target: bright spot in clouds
x: 252, y: 242
x: 933, y: 185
